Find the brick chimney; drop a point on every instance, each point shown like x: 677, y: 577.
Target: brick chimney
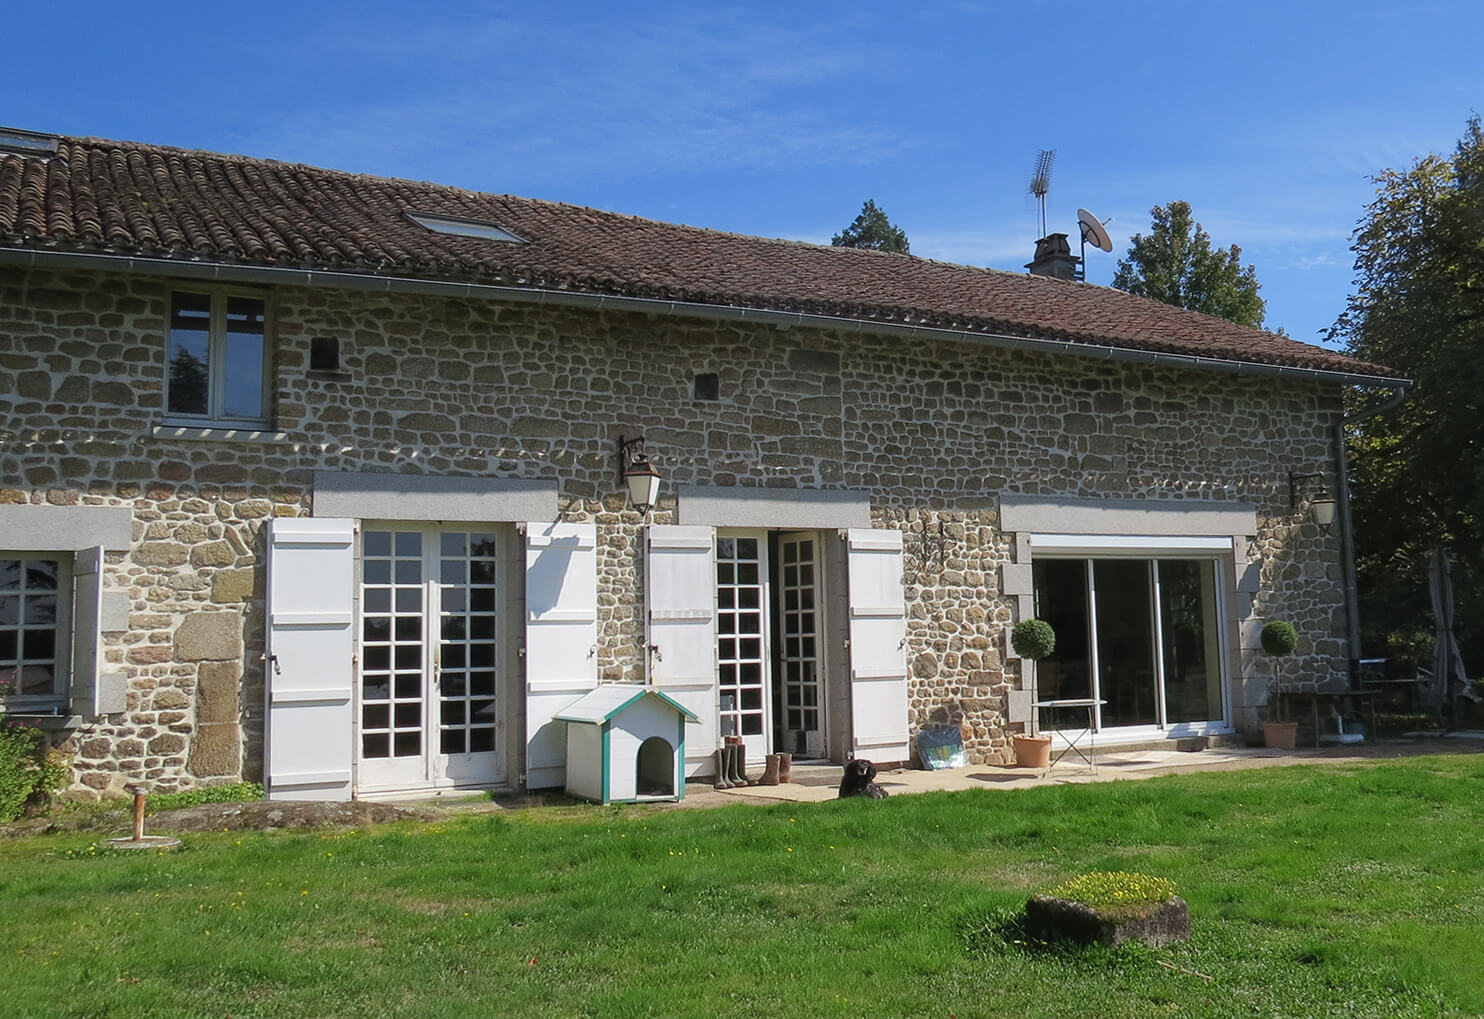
x: 1054, y: 258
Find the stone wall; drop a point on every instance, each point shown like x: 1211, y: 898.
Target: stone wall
x: 932, y: 431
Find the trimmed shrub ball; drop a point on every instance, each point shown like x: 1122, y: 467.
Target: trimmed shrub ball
x: 1033, y: 639
x: 1279, y: 638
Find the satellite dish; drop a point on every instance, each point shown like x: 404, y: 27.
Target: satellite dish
x: 1093, y: 232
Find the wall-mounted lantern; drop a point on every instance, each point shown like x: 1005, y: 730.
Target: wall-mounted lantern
x: 638, y: 474
x: 1321, y: 505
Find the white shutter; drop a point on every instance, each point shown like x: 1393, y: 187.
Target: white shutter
x: 561, y: 639
x: 878, y: 645
x: 311, y: 612
x: 680, y: 603
x: 87, y: 682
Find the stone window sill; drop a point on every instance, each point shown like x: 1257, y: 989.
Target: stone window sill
x: 46, y: 722
x: 219, y: 433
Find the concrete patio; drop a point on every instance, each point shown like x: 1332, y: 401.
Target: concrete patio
x: 814, y: 783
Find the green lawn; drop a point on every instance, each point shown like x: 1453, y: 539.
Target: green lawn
x: 1314, y: 891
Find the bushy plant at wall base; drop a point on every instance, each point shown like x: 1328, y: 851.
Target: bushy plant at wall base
x: 27, y: 768
x: 1033, y: 639
x: 1279, y: 638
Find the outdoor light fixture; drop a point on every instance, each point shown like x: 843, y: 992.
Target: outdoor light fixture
x: 638, y: 474
x: 1321, y: 506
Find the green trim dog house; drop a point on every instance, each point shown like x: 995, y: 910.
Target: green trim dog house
x: 625, y: 744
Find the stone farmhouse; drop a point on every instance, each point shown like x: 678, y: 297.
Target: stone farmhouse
x: 322, y: 479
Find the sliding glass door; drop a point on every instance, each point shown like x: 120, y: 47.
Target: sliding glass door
x: 1141, y: 634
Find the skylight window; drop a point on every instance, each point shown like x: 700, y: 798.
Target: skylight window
x: 463, y: 227
x: 27, y: 143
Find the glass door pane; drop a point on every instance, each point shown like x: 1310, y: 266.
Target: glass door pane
x: 740, y: 653
x: 392, y: 656
x: 1123, y: 593
x: 801, y: 712
x: 467, y: 721
x: 1061, y: 600
x: 1192, y: 656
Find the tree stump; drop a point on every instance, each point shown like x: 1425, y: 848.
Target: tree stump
x: 1154, y: 923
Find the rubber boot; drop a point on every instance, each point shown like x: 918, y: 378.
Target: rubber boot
x: 785, y: 768
x: 770, y: 771
x: 723, y: 758
x: 739, y: 765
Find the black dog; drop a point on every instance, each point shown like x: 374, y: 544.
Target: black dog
x: 857, y: 781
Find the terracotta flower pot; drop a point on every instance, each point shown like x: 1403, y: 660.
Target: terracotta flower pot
x: 1033, y: 751
x: 1280, y: 735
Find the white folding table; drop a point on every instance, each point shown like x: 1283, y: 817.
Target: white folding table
x: 1072, y: 742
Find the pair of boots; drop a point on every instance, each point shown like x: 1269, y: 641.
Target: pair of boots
x: 731, y: 765
x: 778, y: 770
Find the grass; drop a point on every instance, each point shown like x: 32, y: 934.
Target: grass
x: 234, y: 793
x: 1313, y: 890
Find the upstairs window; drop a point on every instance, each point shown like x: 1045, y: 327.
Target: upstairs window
x: 217, y: 359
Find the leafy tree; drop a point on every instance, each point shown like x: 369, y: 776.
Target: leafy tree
x: 1175, y: 263
x: 873, y: 230
x: 1418, y: 471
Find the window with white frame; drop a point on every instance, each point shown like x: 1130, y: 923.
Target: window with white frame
x: 35, y: 627
x: 1140, y: 634
x: 217, y: 358
x: 1138, y: 623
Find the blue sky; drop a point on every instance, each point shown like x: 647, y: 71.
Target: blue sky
x: 779, y: 119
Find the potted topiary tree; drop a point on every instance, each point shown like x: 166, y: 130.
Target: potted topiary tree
x: 1279, y: 638
x: 1032, y: 639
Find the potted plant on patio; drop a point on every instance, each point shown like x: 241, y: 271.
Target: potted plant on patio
x: 1032, y: 639
x: 1278, y: 639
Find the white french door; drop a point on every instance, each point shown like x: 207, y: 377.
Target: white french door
x: 801, y: 709
x: 427, y: 677
x: 744, y: 697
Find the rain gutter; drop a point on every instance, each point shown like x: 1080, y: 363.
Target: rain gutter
x: 220, y: 272
x: 1399, y: 389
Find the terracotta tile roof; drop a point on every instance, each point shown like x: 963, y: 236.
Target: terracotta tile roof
x: 150, y: 200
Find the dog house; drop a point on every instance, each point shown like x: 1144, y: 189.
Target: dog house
x: 625, y: 744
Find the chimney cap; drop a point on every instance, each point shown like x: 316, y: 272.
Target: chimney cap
x: 1054, y: 258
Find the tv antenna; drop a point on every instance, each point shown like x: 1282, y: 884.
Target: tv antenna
x: 1092, y: 230
x: 1041, y: 181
